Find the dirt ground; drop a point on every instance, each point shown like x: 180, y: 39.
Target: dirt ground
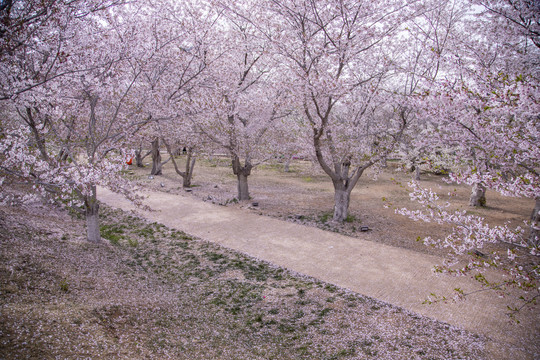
x: 150, y: 292
x: 305, y: 195
x: 153, y: 292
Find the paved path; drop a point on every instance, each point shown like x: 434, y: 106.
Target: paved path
x: 397, y: 276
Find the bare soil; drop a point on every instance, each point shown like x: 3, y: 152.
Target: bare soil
x: 149, y: 292
x: 305, y: 195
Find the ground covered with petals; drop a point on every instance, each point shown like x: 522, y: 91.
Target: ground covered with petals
x: 151, y: 292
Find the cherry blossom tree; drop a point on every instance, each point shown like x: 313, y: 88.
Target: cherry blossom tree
x: 181, y: 37
x: 71, y: 127
x: 287, y: 140
x: 426, y: 39
x: 34, y: 40
x: 242, y: 95
x: 191, y: 157
x: 84, y: 81
x: 486, y: 110
x: 341, y: 59
x: 181, y: 137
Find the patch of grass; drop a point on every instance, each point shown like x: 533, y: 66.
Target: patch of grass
x: 324, y: 218
x: 180, y: 235
x: 330, y: 288
x: 231, y: 201
x: 324, y: 312
x: 146, y: 232
x: 181, y: 244
x: 344, y: 353
x: 212, y: 256
x: 329, y: 215
x: 253, y: 270
x: 303, y: 350
x: 269, y: 166
x: 113, y: 232
x: 278, y: 274
x: 298, y: 314
x: 256, y: 319
x: 286, y: 327
x: 64, y: 285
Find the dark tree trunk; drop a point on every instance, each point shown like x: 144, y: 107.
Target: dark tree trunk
x: 92, y: 217
x: 156, y: 158
x: 186, y: 182
x: 534, y: 237
x: 40, y: 140
x: 139, y: 157
x: 242, y: 173
x: 190, y: 165
x: 478, y: 196
x: 63, y: 155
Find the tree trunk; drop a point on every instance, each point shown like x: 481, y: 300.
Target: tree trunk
x: 342, y: 198
x: 139, y: 158
x: 478, y: 196
x: 186, y: 182
x: 242, y: 173
x: 534, y: 237
x: 63, y: 155
x: 156, y: 158
x: 92, y: 217
x: 190, y: 165
x: 416, y: 170
x: 243, y: 189
x: 39, y: 139
x: 287, y: 163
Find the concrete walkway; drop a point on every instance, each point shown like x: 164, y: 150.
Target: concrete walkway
x: 397, y: 276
